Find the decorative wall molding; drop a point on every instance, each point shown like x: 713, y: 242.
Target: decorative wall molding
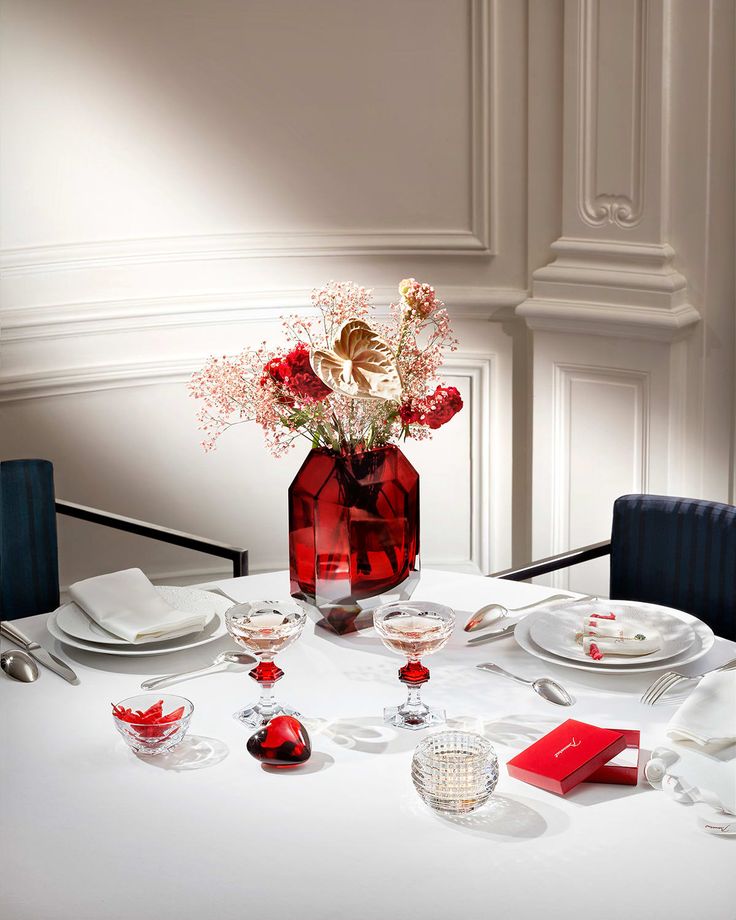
x: 478, y: 239
x: 565, y: 376
x: 614, y: 271
x: 485, y: 439
x: 623, y: 322
x: 484, y: 154
x: 611, y: 288
x: 109, y: 254
x: 485, y: 448
x: 598, y: 205
x: 137, y: 315
x: 94, y: 378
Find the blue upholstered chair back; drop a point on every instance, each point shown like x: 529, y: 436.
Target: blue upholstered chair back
x: 29, y: 567
x: 678, y: 552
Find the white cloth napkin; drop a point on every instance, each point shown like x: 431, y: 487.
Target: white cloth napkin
x: 127, y: 605
x: 708, y: 715
x: 618, y: 636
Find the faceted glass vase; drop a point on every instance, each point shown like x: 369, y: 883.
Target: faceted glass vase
x: 353, y: 532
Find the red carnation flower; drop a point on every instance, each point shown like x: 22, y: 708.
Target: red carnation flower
x: 293, y: 373
x: 434, y: 410
x: 408, y: 414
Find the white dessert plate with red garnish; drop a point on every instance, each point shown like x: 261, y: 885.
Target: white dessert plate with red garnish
x: 559, y: 631
x: 676, y: 628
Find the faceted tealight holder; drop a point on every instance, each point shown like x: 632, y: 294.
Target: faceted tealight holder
x: 455, y: 772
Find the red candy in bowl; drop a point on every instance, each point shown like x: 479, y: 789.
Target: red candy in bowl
x: 151, y: 724
x: 283, y: 742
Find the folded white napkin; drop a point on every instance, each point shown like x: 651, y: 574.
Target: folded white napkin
x: 708, y: 715
x: 612, y: 635
x: 127, y: 605
x: 622, y: 646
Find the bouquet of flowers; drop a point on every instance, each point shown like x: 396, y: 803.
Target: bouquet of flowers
x: 346, y: 382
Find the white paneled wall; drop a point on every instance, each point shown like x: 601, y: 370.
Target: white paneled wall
x: 179, y: 173
x: 633, y: 318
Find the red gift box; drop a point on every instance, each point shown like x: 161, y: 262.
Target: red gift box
x: 568, y: 755
x: 621, y: 774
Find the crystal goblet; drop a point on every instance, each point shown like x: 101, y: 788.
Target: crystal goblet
x: 265, y: 628
x: 414, y: 629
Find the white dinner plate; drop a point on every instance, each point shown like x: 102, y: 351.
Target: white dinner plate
x: 555, y: 631
x: 704, y: 640
x: 71, y: 619
x: 177, y: 597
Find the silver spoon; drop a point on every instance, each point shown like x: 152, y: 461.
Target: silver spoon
x: 224, y: 658
x: 492, y: 613
x: 18, y: 665
x: 544, y: 686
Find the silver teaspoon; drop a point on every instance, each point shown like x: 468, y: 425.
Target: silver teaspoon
x: 18, y: 665
x: 544, y: 686
x: 219, y: 664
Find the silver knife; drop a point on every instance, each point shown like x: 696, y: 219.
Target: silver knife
x: 42, y: 655
x: 489, y: 637
x: 509, y: 630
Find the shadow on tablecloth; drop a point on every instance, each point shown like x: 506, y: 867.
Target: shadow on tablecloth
x: 195, y: 752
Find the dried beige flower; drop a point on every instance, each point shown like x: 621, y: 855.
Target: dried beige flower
x: 360, y: 364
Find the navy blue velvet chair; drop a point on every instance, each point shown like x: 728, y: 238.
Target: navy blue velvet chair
x: 29, y: 568
x: 678, y: 552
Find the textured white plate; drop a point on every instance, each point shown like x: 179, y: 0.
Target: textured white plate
x: 555, y: 631
x: 103, y: 643
x: 704, y: 640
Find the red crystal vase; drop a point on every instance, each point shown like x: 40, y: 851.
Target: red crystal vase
x: 353, y: 531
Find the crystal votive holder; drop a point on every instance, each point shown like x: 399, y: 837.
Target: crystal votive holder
x: 455, y: 772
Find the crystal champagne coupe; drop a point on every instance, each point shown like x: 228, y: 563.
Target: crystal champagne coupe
x: 414, y: 629
x: 265, y: 628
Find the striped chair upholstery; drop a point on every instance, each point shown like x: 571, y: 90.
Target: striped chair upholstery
x: 678, y: 552
x: 29, y: 568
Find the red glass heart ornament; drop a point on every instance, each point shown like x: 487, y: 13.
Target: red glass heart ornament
x: 284, y: 742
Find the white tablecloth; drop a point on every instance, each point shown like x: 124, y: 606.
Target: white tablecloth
x: 90, y: 832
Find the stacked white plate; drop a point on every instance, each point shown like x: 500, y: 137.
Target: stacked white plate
x: 551, y: 635
x: 71, y: 625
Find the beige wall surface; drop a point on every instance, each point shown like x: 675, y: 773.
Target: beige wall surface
x: 177, y: 174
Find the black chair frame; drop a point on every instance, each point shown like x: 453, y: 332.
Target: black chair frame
x: 553, y: 563
x: 236, y: 554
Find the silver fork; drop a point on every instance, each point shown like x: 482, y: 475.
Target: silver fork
x: 665, y: 682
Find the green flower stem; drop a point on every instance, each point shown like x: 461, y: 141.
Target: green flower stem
x: 402, y: 335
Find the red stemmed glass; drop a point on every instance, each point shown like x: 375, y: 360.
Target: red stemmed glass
x: 414, y: 629
x: 265, y: 628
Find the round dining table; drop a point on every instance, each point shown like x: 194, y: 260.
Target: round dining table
x: 91, y: 831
